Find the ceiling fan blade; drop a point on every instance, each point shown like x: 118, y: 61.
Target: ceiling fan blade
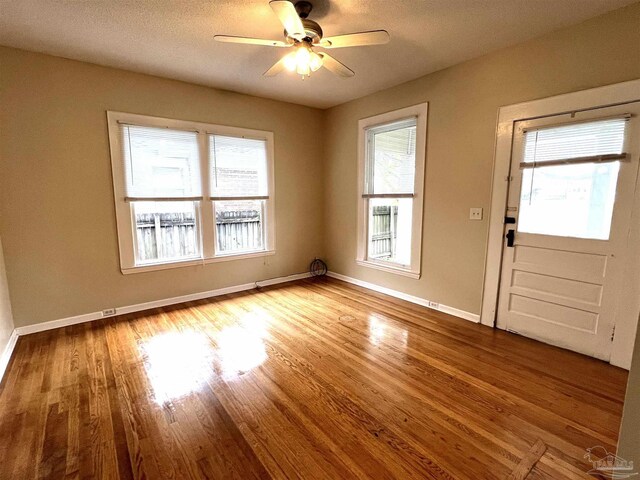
x: 250, y: 41
x: 277, y: 67
x: 375, y: 37
x: 335, y: 66
x: 289, y: 18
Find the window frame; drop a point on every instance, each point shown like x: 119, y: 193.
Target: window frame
x: 125, y: 221
x: 419, y: 112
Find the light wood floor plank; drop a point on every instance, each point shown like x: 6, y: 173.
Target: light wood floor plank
x: 521, y: 472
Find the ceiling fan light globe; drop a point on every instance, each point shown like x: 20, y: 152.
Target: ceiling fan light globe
x: 290, y: 61
x: 303, y: 55
x: 303, y: 69
x: 315, y: 61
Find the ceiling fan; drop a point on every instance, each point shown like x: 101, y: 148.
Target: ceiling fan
x: 303, y: 34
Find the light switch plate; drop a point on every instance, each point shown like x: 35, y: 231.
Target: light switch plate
x: 475, y: 214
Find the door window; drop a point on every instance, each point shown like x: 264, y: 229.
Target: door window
x: 569, y: 178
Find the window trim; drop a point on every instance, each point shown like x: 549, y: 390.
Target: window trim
x: 204, y: 207
x: 419, y: 112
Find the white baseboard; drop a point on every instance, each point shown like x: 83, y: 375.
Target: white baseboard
x: 89, y: 317
x: 6, y: 354
x: 472, y: 317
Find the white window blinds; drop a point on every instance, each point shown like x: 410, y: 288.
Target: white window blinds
x: 391, y: 158
x: 238, y: 167
x: 586, y: 142
x: 160, y: 163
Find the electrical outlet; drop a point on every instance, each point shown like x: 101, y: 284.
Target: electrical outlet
x: 108, y: 312
x: 433, y: 304
x: 475, y: 214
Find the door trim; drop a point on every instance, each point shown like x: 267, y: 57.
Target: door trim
x: 610, y: 95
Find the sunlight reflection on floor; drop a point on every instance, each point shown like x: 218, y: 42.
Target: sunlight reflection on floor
x: 240, y: 349
x: 177, y: 363
x: 377, y: 330
x: 380, y: 330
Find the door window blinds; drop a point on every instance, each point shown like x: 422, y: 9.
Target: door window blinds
x: 160, y: 163
x: 585, y: 142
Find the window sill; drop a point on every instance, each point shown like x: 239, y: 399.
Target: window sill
x: 389, y: 268
x: 193, y: 262
x: 239, y: 256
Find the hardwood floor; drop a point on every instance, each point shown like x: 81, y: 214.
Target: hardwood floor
x: 314, y: 379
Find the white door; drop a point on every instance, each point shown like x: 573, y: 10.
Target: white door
x: 570, y: 200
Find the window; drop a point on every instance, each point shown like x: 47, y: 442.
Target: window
x: 391, y: 151
x: 189, y: 193
x: 569, y: 178
x: 240, y: 192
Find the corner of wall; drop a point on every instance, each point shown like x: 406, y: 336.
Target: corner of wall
x: 8, y: 336
x: 324, y: 121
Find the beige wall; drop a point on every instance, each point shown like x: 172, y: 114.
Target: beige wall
x: 6, y: 319
x: 463, y: 104
x: 57, y: 217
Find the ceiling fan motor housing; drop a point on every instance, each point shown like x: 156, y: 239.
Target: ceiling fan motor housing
x: 313, y: 30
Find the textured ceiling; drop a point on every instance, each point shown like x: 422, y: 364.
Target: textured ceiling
x: 174, y: 39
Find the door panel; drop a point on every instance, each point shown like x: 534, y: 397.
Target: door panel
x: 554, y: 261
x: 560, y: 279
x: 554, y: 314
x: 554, y: 289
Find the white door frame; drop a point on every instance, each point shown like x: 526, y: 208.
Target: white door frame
x: 609, y: 95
